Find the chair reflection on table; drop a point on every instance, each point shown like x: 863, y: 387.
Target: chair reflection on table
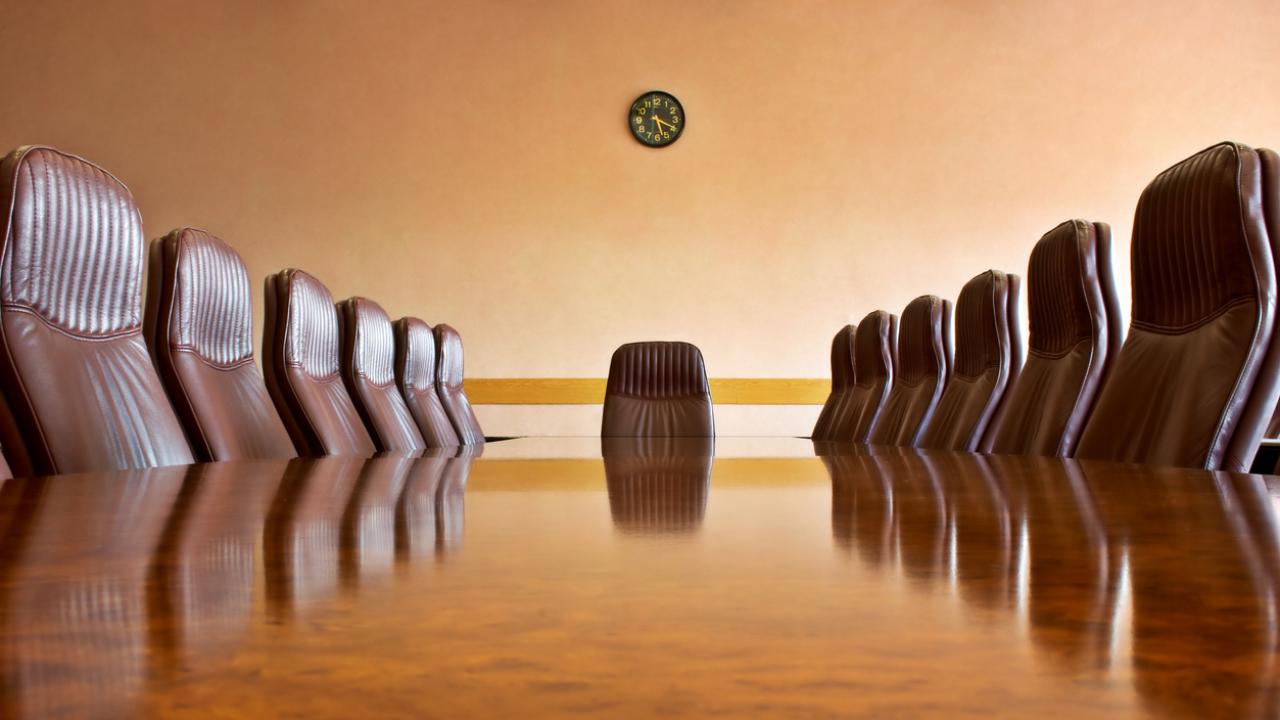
x: 201, y: 578
x: 1202, y: 583
x: 301, y: 541
x: 451, y: 500
x: 367, y: 538
x: 919, y: 512
x: 984, y: 547
x: 346, y: 520
x: 657, y: 484
x: 1075, y: 561
x: 1096, y: 566
x: 431, y: 512
x: 61, y: 611
x: 416, y: 525
x: 861, y: 503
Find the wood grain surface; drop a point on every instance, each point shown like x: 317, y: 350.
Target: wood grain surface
x: 654, y: 581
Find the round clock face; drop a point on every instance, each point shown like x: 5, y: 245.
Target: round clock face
x: 656, y: 119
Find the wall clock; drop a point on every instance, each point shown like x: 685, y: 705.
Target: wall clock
x: 656, y: 119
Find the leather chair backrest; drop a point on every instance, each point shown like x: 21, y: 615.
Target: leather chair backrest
x: 449, y: 386
x: 857, y: 408
x: 924, y: 362
x: 984, y: 363
x: 416, y: 377
x: 199, y: 325
x: 1197, y: 377
x: 1075, y: 334
x: 657, y: 389
x: 82, y: 392
x: 368, y: 368
x: 873, y: 351
x: 841, y: 383
x: 300, y: 355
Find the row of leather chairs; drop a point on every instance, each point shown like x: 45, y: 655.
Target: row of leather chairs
x: 1194, y: 383
x: 92, y: 382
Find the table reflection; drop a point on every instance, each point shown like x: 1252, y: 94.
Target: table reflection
x: 451, y: 500
x: 300, y: 542
x: 1133, y: 589
x: 1105, y: 571
x: 175, y: 556
x: 201, y: 579
x: 367, y: 541
x: 344, y: 521
x: 415, y: 527
x: 657, y: 484
x: 1202, y: 584
x: 94, y: 619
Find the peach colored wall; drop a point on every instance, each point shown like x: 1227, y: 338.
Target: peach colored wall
x: 469, y: 161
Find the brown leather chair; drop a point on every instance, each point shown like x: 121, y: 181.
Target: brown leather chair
x: 199, y: 325
x: 1075, y: 335
x: 1197, y: 378
x: 300, y: 355
x: 449, y: 385
x: 657, y: 389
x: 873, y: 353
x: 860, y: 405
x: 368, y: 369
x: 416, y: 377
x: 82, y: 392
x: 841, y: 385
x: 986, y: 361
x: 924, y: 363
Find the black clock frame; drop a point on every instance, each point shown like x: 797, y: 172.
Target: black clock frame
x: 684, y: 119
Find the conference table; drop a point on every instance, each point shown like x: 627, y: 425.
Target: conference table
x: 574, y: 576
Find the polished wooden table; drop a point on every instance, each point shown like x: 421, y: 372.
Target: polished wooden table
x: 773, y: 578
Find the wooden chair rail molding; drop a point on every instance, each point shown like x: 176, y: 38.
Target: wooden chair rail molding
x: 590, y: 391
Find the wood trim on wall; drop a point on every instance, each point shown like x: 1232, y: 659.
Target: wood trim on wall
x: 590, y: 391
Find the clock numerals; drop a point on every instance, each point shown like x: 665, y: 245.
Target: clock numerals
x: 656, y: 119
